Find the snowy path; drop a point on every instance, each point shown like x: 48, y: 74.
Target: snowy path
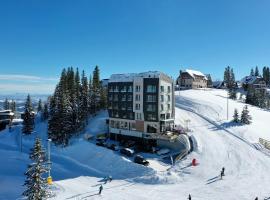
x: 246, y: 172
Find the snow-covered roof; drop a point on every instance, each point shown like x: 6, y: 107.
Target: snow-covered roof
x: 250, y: 79
x: 217, y: 84
x: 194, y: 73
x: 129, y: 77
x: 6, y: 112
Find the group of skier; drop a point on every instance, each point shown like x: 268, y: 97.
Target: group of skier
x: 222, y: 173
x: 109, y: 178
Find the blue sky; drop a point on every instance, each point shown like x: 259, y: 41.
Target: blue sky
x: 38, y: 38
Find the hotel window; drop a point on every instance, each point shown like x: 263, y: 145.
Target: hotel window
x: 161, y: 107
x: 124, y: 98
x: 124, y: 89
x: 137, y: 97
x: 138, y: 116
x: 110, y: 97
x: 151, y: 117
x: 137, y: 106
x: 129, y: 97
x: 162, y: 98
x: 151, y: 88
x: 138, y: 88
x: 169, y: 89
x: 151, y: 98
x: 130, y: 88
x: 162, y: 88
x: 169, y: 98
x: 169, y: 107
x: 151, y: 108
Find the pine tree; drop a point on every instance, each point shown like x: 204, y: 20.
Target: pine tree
x: 227, y: 76
x: 236, y: 116
x: 77, y: 103
x: 45, y: 112
x: 13, y: 106
x: 28, y: 119
x: 6, y: 104
x: 35, y: 182
x: 40, y: 107
x: 90, y: 97
x: 84, y: 100
x: 231, y: 79
x: 54, y: 117
x: 252, y: 72
x: 103, y: 98
x: 95, y: 100
x: 209, y: 81
x: 266, y: 75
x: 232, y: 93
x: 257, y: 73
x: 245, y: 117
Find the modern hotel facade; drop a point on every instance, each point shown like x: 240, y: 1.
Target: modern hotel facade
x: 140, y: 105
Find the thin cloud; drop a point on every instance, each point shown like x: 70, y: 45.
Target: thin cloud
x: 41, y: 88
x: 22, y: 77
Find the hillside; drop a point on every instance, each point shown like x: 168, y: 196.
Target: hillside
x: 79, y: 168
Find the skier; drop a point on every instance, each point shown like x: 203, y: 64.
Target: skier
x: 189, y: 197
x: 222, y: 173
x: 256, y: 198
x: 100, y: 189
x: 110, y: 178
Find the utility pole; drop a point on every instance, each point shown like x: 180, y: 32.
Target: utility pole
x: 21, y: 141
x: 49, y: 179
x: 228, y: 106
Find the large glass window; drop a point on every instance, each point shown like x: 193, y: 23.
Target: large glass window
x: 151, y: 88
x: 129, y: 97
x: 151, y: 98
x: 151, y: 108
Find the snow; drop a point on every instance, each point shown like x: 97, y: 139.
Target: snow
x: 129, y: 77
x: 250, y: 79
x: 194, y: 73
x: 78, y: 170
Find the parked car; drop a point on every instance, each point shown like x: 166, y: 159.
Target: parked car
x: 141, y: 160
x: 101, y: 143
x: 163, y: 151
x: 126, y: 151
x: 88, y: 136
x: 113, y: 147
x: 129, y: 144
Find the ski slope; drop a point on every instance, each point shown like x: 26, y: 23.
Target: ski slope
x: 80, y: 168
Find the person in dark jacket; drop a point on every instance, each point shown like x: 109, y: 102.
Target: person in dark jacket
x: 189, y: 197
x: 100, y: 189
x: 222, y: 173
x: 256, y: 198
